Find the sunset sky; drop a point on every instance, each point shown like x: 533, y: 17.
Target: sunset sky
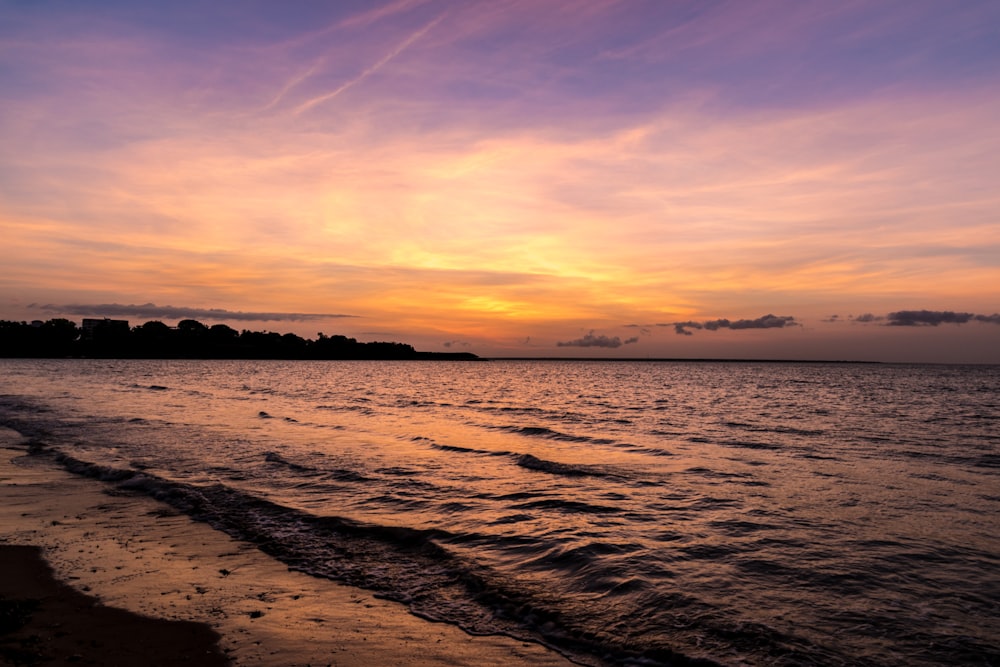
x: 802, y: 180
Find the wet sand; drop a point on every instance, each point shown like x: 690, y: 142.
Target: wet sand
x: 155, y: 567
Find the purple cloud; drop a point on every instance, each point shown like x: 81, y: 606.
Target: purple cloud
x: 152, y: 311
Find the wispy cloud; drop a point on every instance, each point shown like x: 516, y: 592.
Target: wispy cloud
x: 310, y: 42
x: 385, y: 60
x: 292, y: 83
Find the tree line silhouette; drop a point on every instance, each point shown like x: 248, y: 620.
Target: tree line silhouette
x: 190, y: 339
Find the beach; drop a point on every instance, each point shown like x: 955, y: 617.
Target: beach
x: 137, y: 582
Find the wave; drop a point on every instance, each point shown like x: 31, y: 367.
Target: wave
x: 363, y: 408
x: 532, y: 462
x: 642, y: 449
x: 413, y: 566
x: 743, y: 444
x: 273, y: 457
x: 568, y: 506
x: 337, y: 474
x: 543, y: 432
x: 784, y: 430
x: 467, y: 450
x: 150, y: 387
x: 987, y: 461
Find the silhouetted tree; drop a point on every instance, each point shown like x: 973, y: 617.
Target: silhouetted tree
x: 15, y: 339
x: 223, y: 333
x: 153, y: 339
x: 190, y: 339
x: 191, y: 328
x: 57, y: 336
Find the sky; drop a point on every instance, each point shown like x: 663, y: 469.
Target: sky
x: 681, y: 179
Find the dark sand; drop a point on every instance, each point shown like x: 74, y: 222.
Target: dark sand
x: 136, y: 555
x: 45, y: 622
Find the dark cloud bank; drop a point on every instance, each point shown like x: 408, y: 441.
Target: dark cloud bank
x: 590, y: 340
x: 765, y: 322
x: 902, y: 318
x: 932, y: 318
x: 919, y: 318
x: 151, y: 310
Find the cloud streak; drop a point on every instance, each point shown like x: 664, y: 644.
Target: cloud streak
x: 385, y: 60
x: 153, y: 311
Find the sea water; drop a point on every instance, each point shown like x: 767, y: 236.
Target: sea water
x: 620, y: 512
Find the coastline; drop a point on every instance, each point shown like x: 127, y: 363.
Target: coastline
x: 139, y: 557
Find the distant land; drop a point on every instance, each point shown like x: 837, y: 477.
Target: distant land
x: 190, y: 339
x: 699, y: 360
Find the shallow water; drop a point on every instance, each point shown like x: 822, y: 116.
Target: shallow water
x: 744, y: 513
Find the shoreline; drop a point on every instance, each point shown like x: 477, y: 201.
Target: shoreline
x: 135, y: 554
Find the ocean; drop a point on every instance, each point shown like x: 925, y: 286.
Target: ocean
x: 734, y: 513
